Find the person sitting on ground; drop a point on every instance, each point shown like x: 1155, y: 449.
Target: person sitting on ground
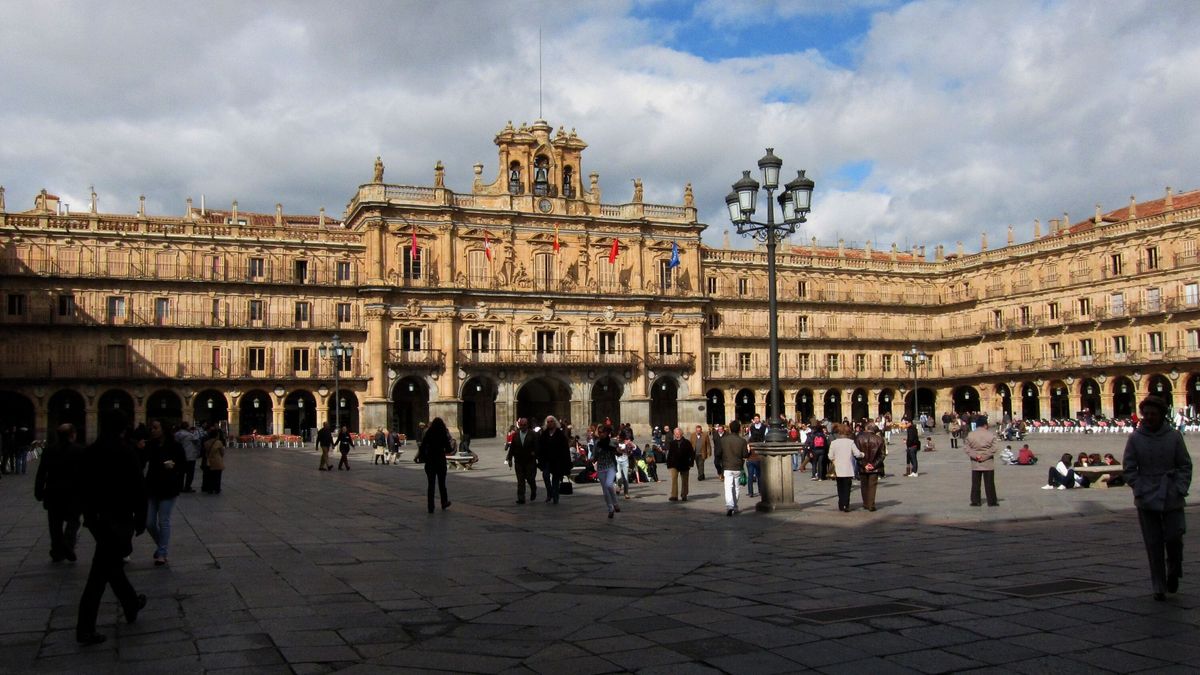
x: 929, y: 446
x: 1083, y: 460
x: 1025, y: 456
x: 1007, y: 456
x: 1061, y: 476
x: 1094, y: 459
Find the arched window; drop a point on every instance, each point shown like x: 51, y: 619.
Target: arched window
x: 541, y: 175
x: 568, y: 182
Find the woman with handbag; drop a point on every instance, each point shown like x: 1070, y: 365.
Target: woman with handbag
x: 432, y: 452
x: 214, y: 454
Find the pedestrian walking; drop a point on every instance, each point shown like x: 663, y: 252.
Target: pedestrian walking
x: 702, y: 444
x: 553, y: 456
x: 842, y: 452
x: 680, y: 457
x: 344, y: 443
x: 1159, y: 469
x: 730, y: 459
x: 522, y: 457
x: 870, y: 465
x: 188, y: 437
x: 435, y: 445
x: 214, y: 455
x: 114, y: 511
x: 981, y: 449
x: 605, y: 452
x: 912, y: 450
x: 379, y: 444
x: 325, y: 444
x: 165, y: 467
x: 57, y: 485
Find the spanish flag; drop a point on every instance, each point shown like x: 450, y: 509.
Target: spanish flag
x: 556, y: 238
x: 413, y: 250
x: 612, y: 254
x: 487, y: 246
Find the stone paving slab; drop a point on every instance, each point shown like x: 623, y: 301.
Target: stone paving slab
x: 298, y: 571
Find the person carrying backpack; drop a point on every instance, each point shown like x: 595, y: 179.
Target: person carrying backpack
x: 820, y: 452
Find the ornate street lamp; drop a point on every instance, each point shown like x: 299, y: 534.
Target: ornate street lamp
x: 340, y: 351
x: 795, y: 202
x: 915, y: 358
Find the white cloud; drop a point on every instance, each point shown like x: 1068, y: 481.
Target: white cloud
x: 971, y: 115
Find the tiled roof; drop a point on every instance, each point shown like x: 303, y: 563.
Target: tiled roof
x: 1183, y: 200
x: 264, y: 219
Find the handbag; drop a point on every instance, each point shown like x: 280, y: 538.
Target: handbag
x: 742, y: 478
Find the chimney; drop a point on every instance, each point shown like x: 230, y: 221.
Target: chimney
x: 915, y: 249
x: 141, y: 206
x: 92, y: 188
x: 814, y: 245
x: 841, y: 248
x: 321, y: 217
x: 725, y: 240
x: 233, y: 218
x: 1010, y: 235
x: 1170, y: 202
x: 1, y: 199
x: 959, y: 249
x: 1053, y: 226
x: 893, y: 252
x: 939, y: 253
x: 203, y: 211
x: 1096, y: 219
x: 278, y: 215
x: 867, y: 249
x: 1066, y: 223
x: 1132, y: 207
x: 983, y: 242
x: 190, y: 214
x: 1037, y: 228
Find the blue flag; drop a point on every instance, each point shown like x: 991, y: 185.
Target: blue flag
x: 674, y: 256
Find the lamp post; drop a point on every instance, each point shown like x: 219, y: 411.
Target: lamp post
x: 795, y: 202
x: 340, y: 351
x: 915, y: 358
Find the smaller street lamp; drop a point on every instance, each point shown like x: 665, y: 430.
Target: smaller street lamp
x: 915, y: 358
x: 340, y: 352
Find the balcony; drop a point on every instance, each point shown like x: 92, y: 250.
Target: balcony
x: 515, y: 358
x: 676, y: 361
x: 432, y: 359
x: 137, y: 368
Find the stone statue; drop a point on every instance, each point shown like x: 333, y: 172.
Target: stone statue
x: 521, y: 277
x: 637, y: 190
x: 439, y: 175
x: 688, y: 198
x: 378, y: 178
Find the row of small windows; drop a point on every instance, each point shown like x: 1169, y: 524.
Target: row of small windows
x: 117, y: 308
x: 483, y: 340
x: 746, y: 361
x: 1117, y: 305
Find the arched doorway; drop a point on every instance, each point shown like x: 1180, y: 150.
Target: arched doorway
x: 115, y: 399
x: 743, y: 406
x: 16, y: 410
x: 1193, y: 394
x: 664, y: 403
x: 479, y: 408
x: 966, y: 399
x: 1031, y: 405
x: 1060, y: 401
x: 1124, y: 397
x: 1006, y: 404
x: 347, y: 410
x: 715, y: 408
x: 860, y: 407
x: 606, y: 400
x: 924, y: 398
x: 410, y: 406
x: 210, y: 406
x: 805, y: 407
x: 885, y: 401
x: 300, y: 413
x: 66, y: 406
x: 1089, y: 396
x: 544, y: 396
x: 1160, y: 386
x: 254, y: 413
x: 833, y: 406
x: 165, y: 406
x: 769, y: 408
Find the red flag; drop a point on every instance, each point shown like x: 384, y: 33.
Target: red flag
x: 556, y: 238
x: 487, y: 246
x: 612, y: 254
x: 413, y: 249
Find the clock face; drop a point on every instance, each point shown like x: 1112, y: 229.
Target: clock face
x: 545, y: 206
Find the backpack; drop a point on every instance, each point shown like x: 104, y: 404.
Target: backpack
x: 819, y: 441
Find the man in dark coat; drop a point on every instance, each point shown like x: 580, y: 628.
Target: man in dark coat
x: 114, y: 510
x: 1159, y: 469
x: 553, y: 456
x: 56, y: 486
x: 870, y: 465
x: 912, y: 450
x: 522, y: 456
x: 680, y: 457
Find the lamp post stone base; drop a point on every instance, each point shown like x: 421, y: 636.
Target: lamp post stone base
x: 778, y: 487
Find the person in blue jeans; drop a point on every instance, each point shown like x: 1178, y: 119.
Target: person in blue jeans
x: 165, y: 464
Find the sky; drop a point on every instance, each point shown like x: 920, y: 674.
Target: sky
x: 925, y: 122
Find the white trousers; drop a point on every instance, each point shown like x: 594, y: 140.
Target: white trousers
x: 731, y: 489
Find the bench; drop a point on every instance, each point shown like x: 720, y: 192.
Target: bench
x: 1095, y: 473
x: 463, y: 461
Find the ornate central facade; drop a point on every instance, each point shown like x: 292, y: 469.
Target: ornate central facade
x: 531, y: 296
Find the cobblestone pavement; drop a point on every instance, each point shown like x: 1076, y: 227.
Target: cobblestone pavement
x: 292, y: 570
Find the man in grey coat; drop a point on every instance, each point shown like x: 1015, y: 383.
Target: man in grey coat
x: 981, y: 449
x: 1159, y: 469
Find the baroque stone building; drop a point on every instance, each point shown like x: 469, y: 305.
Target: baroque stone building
x: 529, y: 295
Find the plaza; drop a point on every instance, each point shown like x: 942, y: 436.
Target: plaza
x: 294, y: 571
